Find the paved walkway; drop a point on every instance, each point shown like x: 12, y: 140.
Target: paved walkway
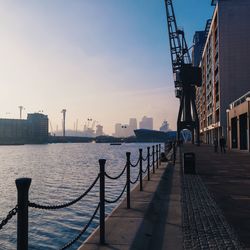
x: 227, y: 178
x: 154, y: 220
x: 210, y: 210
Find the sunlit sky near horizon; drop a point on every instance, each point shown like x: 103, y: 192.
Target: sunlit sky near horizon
x: 102, y: 59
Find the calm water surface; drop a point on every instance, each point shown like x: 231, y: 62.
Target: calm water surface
x: 60, y: 173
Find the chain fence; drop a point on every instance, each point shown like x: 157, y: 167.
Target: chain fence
x: 22, y: 206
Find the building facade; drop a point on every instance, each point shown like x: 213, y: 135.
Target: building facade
x: 20, y: 131
x: 238, y: 124
x: 224, y: 63
x: 146, y: 122
x: 99, y: 130
x: 38, y: 125
x: 132, y: 126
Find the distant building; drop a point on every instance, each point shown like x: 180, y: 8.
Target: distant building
x: 38, y: 127
x: 225, y: 65
x: 13, y: 131
x: 132, y: 126
x: 118, y: 130
x: 165, y: 127
x: 199, y: 41
x: 121, y: 130
x: 146, y: 123
x: 99, y: 130
x: 18, y: 131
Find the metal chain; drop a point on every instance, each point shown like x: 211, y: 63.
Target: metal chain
x: 144, y: 159
x: 151, y: 165
x: 118, y: 198
x: 118, y: 176
x: 135, y: 165
x: 82, y: 231
x: 11, y: 213
x: 53, y: 207
x: 133, y: 182
x: 144, y: 171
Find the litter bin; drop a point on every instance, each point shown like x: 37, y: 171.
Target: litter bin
x: 189, y: 163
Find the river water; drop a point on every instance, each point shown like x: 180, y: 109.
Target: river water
x: 60, y: 173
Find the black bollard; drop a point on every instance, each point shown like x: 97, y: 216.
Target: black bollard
x: 174, y: 152
x: 23, y: 185
x: 160, y: 154
x: 102, y: 200
x: 148, y: 167
x: 128, y: 179
x: 157, y: 157
x: 153, y: 153
x: 140, y: 155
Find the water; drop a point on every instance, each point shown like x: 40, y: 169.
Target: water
x: 60, y: 173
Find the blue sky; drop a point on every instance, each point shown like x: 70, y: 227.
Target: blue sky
x: 104, y: 59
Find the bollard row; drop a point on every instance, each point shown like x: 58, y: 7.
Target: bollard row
x: 23, y: 185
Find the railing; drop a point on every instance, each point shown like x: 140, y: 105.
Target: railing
x: 23, y: 184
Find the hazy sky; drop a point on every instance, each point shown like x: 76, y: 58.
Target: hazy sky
x: 102, y: 59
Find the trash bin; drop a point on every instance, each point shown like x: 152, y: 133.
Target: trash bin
x: 189, y: 163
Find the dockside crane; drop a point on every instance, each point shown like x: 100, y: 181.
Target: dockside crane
x: 186, y: 76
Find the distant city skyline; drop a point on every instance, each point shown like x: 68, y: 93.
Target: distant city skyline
x: 108, y: 60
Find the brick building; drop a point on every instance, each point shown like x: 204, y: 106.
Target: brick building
x: 224, y: 60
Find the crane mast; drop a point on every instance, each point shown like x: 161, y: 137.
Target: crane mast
x: 186, y: 76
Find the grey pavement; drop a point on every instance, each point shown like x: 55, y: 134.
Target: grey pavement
x: 223, y: 182
x: 209, y: 210
x: 154, y: 220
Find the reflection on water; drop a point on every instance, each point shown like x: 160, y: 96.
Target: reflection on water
x: 60, y: 173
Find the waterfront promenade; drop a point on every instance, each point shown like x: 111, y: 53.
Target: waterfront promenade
x: 152, y: 222
x: 209, y: 210
x: 227, y: 178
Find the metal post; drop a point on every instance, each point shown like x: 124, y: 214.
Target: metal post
x: 174, y: 151
x: 140, y: 155
x: 128, y: 179
x: 157, y: 157
x: 102, y: 200
x: 148, y: 166
x: 23, y: 185
x: 160, y: 154
x: 153, y: 153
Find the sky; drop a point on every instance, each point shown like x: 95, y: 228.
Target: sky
x: 107, y: 60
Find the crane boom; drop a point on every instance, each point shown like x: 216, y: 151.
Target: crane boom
x: 178, y: 46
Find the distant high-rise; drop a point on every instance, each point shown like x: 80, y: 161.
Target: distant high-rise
x: 132, y: 126
x: 118, y: 130
x: 146, y: 122
x: 99, y: 130
x: 121, y: 130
